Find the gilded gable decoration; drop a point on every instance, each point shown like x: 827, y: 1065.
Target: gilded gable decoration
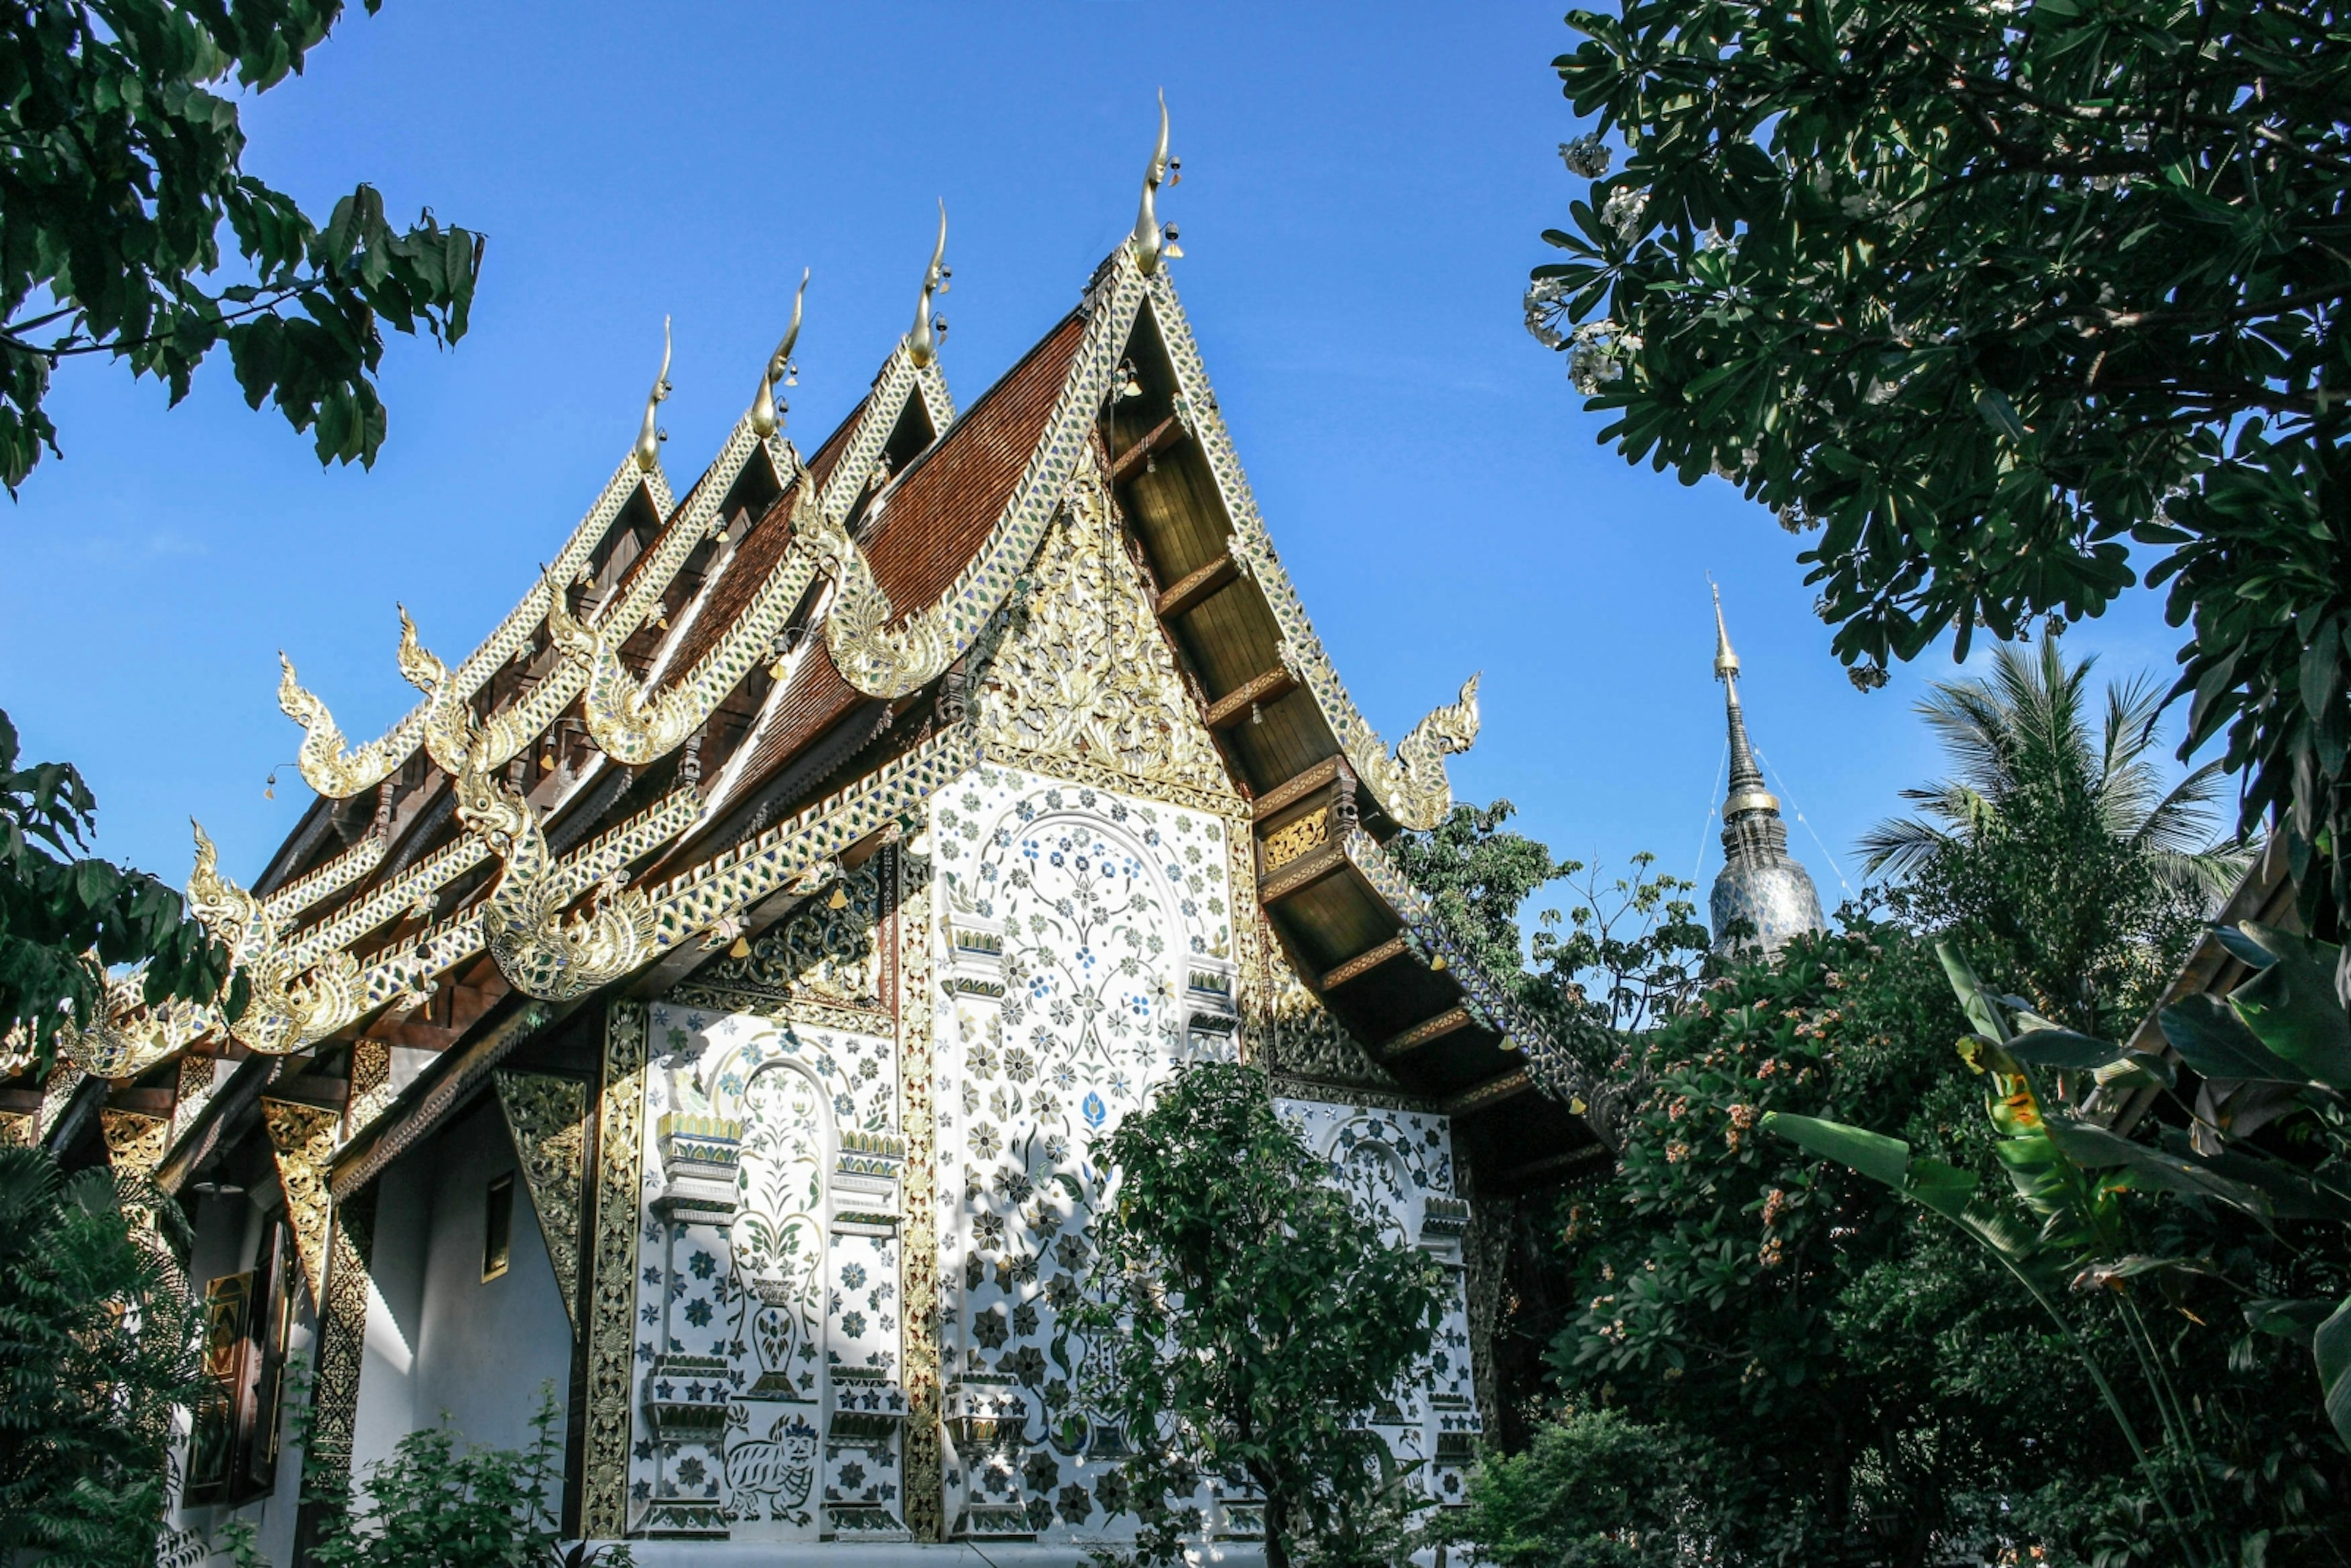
x: 633, y: 727
x: 650, y: 435
x: 1086, y: 676
x: 134, y: 1142
x: 540, y: 953
x: 883, y: 660
x: 547, y: 1116
x: 766, y: 414
x: 825, y: 958
x: 302, y: 1140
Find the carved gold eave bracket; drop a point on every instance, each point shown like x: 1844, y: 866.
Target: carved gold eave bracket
x: 1410, y: 784
x: 301, y: 1142
x: 547, y: 1116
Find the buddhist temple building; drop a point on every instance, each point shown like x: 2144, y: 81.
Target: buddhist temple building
x: 708, y: 1003
x: 1761, y: 897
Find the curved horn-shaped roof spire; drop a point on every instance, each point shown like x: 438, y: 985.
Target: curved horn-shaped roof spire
x: 766, y: 414
x: 648, y: 448
x: 1726, y: 663
x: 923, y: 342
x: 1151, y: 242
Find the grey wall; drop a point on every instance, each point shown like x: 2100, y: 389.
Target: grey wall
x: 441, y: 1341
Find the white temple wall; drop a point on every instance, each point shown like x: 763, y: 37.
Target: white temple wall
x: 1081, y: 945
x: 482, y: 1349
x: 386, y: 1410
x: 228, y: 1234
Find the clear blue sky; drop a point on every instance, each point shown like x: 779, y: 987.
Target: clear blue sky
x: 1363, y: 189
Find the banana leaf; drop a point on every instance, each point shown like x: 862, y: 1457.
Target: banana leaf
x: 1935, y: 1185
x: 2293, y: 1193
x: 2065, y: 1049
x: 1982, y: 1008
x: 2213, y: 1041
x: 2293, y: 1007
x: 2331, y: 1348
x: 2296, y: 1321
x: 2093, y: 1147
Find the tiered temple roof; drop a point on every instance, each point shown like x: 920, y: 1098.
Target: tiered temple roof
x: 709, y: 704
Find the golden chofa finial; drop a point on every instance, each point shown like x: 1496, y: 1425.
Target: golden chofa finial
x: 767, y: 413
x: 1726, y: 663
x: 649, y: 438
x: 923, y: 342
x: 1151, y: 241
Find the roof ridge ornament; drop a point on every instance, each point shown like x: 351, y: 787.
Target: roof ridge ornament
x: 767, y: 413
x: 1151, y: 240
x: 650, y: 435
x: 923, y: 342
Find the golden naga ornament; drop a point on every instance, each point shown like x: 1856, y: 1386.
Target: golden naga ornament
x: 540, y: 953
x: 337, y: 773
x: 1412, y: 784
x: 297, y: 998
x: 1151, y: 242
x: 633, y: 727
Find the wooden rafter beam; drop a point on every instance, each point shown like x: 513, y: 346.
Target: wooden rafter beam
x: 1160, y: 437
x: 1296, y: 876
x: 1364, y: 963
x: 1493, y: 1092
x: 1290, y: 791
x: 1195, y: 588
x: 1547, y: 1164
x: 1234, y: 707
x: 1452, y: 1020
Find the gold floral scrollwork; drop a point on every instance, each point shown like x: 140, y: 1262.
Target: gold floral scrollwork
x: 871, y: 656
x: 1286, y: 843
x: 302, y: 1140
x: 541, y: 954
x: 633, y: 727
x: 134, y: 1142
x: 546, y: 1115
x: 1412, y: 784
x: 1089, y: 677
x: 612, y: 1281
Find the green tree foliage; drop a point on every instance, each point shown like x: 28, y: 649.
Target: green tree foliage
x: 2052, y: 852
x: 1833, y: 1379
x: 125, y: 164
x: 438, y: 1502
x: 1625, y: 952
x: 1253, y: 1317
x: 1595, y: 1490
x: 99, y: 1342
x: 2007, y: 301
x: 65, y: 918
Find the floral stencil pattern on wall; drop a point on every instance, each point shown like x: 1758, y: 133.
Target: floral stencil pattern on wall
x: 1073, y: 920
x: 749, y: 1303
x: 1398, y: 1166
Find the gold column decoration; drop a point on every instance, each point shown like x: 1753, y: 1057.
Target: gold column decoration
x: 134, y: 1144
x: 925, y: 1488
x: 547, y: 1116
x: 371, y: 1084
x: 342, y: 1347
x: 302, y: 1139
x: 15, y: 1128
x: 613, y: 1281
